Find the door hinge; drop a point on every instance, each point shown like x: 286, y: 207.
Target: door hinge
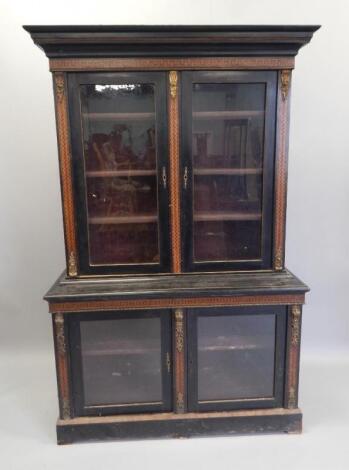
x: 173, y: 77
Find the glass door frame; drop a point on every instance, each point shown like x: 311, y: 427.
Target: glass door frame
x: 80, y: 409
x: 188, y: 78
x: 277, y: 399
x: 159, y: 80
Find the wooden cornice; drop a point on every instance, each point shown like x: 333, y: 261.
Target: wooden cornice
x: 170, y: 41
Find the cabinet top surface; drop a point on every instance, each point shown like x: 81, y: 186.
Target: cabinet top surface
x: 175, y: 285
x: 170, y: 40
x: 168, y: 28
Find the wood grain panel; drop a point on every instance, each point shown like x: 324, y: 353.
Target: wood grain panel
x: 173, y: 416
x: 62, y: 123
x: 173, y: 117
x: 293, y: 355
x: 180, y: 399
x: 62, y: 366
x: 71, y: 307
x: 284, y: 84
x: 168, y: 63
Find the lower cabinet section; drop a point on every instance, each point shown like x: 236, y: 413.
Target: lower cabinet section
x: 202, y: 370
x: 124, y: 361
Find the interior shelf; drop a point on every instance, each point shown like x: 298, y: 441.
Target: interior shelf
x: 118, y: 116
x: 227, y: 171
x: 129, y: 219
x: 220, y: 344
x: 121, y: 352
x: 117, y: 173
x: 220, y: 216
x: 238, y: 343
x: 226, y: 114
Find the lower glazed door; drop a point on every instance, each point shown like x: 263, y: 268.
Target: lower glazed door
x: 235, y: 357
x: 121, y: 362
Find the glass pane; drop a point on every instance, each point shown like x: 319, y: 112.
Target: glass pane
x: 235, y: 357
x: 227, y: 143
x: 119, y: 133
x: 121, y: 361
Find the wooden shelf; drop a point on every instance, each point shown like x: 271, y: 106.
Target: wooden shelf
x: 122, y: 347
x: 226, y: 114
x: 221, y: 216
x: 227, y: 171
x: 128, y: 219
x: 238, y: 343
x: 121, y: 352
x: 117, y: 173
x: 118, y: 116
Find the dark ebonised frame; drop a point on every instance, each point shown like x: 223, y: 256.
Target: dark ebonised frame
x: 158, y: 79
x: 269, y: 78
x: 79, y: 407
x: 276, y: 401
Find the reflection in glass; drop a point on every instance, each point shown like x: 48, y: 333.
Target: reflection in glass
x: 121, y: 361
x: 227, y: 147
x: 235, y: 357
x: 119, y: 135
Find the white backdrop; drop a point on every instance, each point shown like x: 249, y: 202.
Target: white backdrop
x: 31, y: 236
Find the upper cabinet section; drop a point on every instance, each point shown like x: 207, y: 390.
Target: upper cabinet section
x: 173, y: 145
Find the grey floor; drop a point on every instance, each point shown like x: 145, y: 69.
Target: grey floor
x: 29, y: 410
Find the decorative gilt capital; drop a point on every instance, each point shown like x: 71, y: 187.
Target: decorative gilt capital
x: 179, y: 330
x: 285, y: 83
x: 65, y: 409
x: 60, y: 335
x: 292, y: 398
x: 173, y: 83
x: 278, y: 260
x: 59, y: 82
x: 180, y: 402
x: 72, y: 266
x: 295, y: 324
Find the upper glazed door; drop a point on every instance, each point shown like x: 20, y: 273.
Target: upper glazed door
x: 120, y: 171
x: 227, y: 166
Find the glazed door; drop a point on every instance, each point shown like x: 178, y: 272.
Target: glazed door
x: 227, y: 158
x: 121, y: 362
x: 236, y: 357
x: 120, y: 167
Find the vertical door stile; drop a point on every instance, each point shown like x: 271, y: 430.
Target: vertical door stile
x: 173, y: 119
x: 180, y: 398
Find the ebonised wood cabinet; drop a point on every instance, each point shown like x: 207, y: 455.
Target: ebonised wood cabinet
x: 175, y: 315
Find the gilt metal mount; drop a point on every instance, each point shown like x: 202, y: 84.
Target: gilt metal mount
x: 173, y: 83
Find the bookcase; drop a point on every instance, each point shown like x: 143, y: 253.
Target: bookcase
x: 175, y: 315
